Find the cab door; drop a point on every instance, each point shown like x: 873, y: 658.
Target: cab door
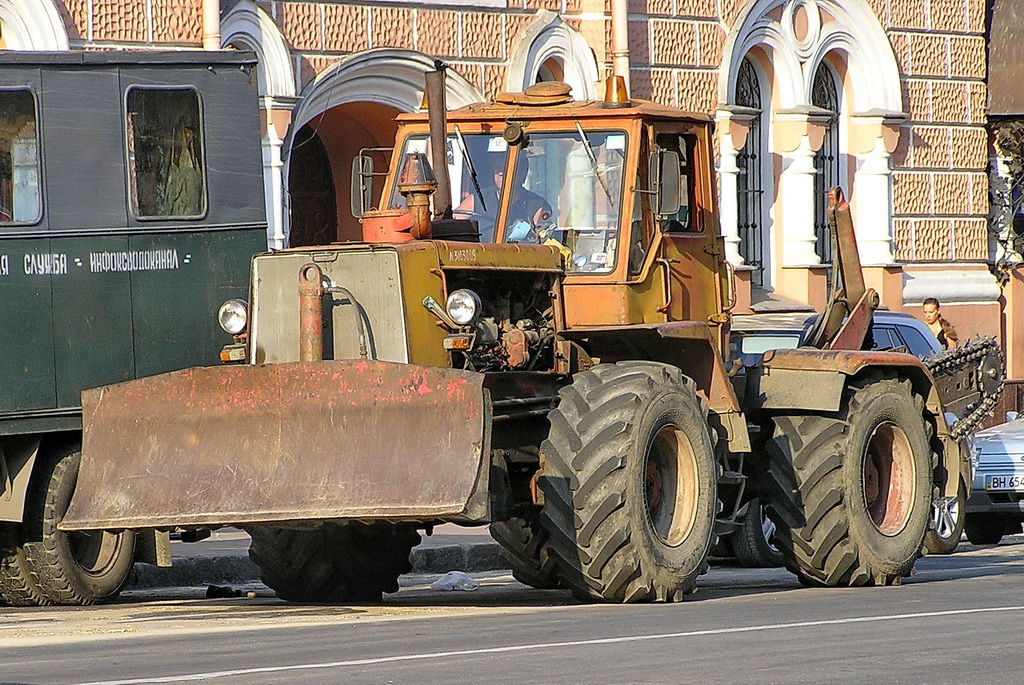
x: 692, y: 249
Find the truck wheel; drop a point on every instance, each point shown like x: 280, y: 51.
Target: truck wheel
x: 754, y: 542
x: 17, y: 588
x: 72, y: 568
x: 333, y: 563
x: 629, y: 484
x: 984, y: 529
x: 524, y: 547
x: 851, y: 494
x: 948, y: 527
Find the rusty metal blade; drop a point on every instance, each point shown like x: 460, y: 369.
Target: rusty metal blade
x: 283, y: 442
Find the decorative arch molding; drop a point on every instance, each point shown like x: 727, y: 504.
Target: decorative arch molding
x: 33, y: 25
x: 385, y: 76
x: 550, y: 37
x: 794, y: 35
x: 249, y: 25
x: 855, y: 32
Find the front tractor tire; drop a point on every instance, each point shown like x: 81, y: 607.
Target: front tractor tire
x: 630, y: 484
x: 851, y: 493
x: 71, y: 568
x: 333, y: 563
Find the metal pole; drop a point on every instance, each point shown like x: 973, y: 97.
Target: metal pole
x: 211, y: 24
x: 620, y: 40
x: 437, y: 112
x: 311, y: 313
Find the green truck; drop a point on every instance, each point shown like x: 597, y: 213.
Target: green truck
x: 131, y: 199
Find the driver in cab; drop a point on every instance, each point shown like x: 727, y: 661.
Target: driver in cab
x: 529, y: 215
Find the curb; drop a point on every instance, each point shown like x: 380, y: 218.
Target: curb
x: 238, y: 570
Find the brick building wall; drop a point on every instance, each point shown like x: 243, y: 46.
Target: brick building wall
x: 940, y: 186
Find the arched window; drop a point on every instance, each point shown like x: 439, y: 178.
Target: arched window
x: 553, y: 69
x: 825, y: 95
x: 749, y: 184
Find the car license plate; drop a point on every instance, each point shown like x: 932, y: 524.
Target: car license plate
x: 1004, y: 483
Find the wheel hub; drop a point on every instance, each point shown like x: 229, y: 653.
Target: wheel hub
x: 888, y: 478
x: 96, y: 552
x: 670, y: 485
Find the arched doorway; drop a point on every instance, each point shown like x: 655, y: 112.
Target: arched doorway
x: 313, y: 218
x: 321, y: 156
x: 350, y: 107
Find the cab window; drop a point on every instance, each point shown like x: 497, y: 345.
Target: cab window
x: 566, y: 190
x: 20, y: 200
x: 683, y: 220
x: 476, y: 165
x: 165, y: 153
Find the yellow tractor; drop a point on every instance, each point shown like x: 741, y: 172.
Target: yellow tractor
x: 532, y: 335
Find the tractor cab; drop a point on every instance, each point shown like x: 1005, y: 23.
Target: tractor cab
x: 622, y: 188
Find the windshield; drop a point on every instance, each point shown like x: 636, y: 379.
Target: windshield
x: 472, y: 160
x: 567, y: 191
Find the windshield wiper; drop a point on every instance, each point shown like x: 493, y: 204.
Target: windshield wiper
x: 593, y: 161
x: 472, y: 169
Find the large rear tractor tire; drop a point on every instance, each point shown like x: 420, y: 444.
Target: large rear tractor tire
x: 948, y: 524
x: 754, y: 542
x: 17, y: 589
x: 71, y: 568
x: 524, y: 547
x: 333, y: 563
x: 630, y: 484
x: 851, y: 493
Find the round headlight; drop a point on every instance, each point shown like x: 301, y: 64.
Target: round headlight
x: 233, y: 316
x: 463, y: 306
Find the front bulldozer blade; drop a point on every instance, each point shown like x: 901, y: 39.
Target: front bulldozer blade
x: 283, y: 442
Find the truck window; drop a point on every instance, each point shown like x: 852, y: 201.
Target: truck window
x: 165, y: 153
x: 20, y: 200
x: 566, y: 190
x: 681, y: 221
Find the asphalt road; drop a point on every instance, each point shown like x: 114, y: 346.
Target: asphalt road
x: 957, y: 621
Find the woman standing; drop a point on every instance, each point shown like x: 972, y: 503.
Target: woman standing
x: 942, y: 329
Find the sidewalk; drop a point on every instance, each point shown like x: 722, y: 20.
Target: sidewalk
x: 222, y: 558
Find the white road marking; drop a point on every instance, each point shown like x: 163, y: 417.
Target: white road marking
x: 549, y: 645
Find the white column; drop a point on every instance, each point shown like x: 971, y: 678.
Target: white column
x: 796, y: 186
x: 273, y: 187
x: 874, y: 207
x: 728, y: 212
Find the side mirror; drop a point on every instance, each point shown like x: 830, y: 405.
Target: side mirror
x: 362, y: 185
x: 664, y: 175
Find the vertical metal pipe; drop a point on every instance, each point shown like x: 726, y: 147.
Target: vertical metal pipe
x: 211, y: 24
x: 438, y: 116
x: 311, y: 304
x: 620, y: 40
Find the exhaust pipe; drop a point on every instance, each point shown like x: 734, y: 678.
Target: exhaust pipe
x: 437, y: 113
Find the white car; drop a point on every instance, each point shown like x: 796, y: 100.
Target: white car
x: 996, y: 505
